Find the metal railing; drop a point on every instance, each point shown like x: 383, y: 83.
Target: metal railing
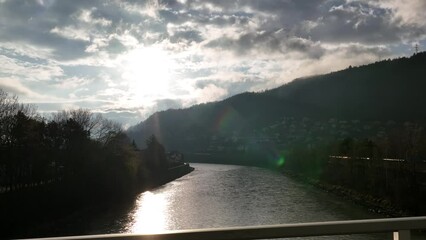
x: 400, y: 227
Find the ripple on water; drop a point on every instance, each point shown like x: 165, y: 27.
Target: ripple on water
x: 224, y: 196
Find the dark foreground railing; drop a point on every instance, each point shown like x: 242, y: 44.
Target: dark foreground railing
x: 401, y: 228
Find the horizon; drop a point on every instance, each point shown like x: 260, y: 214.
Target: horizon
x: 128, y: 60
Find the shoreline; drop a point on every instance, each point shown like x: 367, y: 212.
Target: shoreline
x: 371, y: 203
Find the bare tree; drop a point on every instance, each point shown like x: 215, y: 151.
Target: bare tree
x: 99, y: 128
x: 106, y: 130
x: 9, y: 108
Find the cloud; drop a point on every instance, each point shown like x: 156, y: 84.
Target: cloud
x: 248, y: 42
x: 164, y: 104
x: 267, y: 43
x: 73, y: 82
x: 87, y: 53
x: 126, y: 119
x: 406, y: 12
x: 357, y: 22
x: 233, y: 88
x: 67, y: 29
x: 30, y: 71
x: 180, y: 33
x: 337, y: 57
x: 14, y: 86
x: 209, y: 93
x: 87, y: 17
x: 71, y: 33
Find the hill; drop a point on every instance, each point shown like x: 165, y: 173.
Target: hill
x: 381, y: 91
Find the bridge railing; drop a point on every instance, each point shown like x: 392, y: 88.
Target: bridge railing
x: 400, y: 227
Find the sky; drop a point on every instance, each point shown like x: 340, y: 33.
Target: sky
x: 128, y: 59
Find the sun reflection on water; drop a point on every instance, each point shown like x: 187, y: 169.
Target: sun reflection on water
x: 150, y: 213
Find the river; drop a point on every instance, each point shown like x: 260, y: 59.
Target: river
x: 225, y: 196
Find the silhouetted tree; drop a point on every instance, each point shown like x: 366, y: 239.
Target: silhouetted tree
x: 155, y: 155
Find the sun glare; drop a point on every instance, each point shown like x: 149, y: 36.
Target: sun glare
x: 150, y: 216
x: 148, y: 72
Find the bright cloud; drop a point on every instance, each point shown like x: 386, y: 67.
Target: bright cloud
x: 128, y: 59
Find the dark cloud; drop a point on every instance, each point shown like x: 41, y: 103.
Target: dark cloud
x: 204, y: 17
x: 245, y: 43
x: 354, y: 50
x: 163, y: 104
x: 287, y: 12
x: 115, y: 46
x: 221, y: 19
x: 268, y: 42
x: 186, y: 35
x: 305, y: 46
x: 357, y: 23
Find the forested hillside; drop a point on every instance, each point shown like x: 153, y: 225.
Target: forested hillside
x: 385, y: 90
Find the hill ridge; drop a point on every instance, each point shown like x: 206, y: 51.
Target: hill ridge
x: 384, y: 90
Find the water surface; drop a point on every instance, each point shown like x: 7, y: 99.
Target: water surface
x: 225, y: 196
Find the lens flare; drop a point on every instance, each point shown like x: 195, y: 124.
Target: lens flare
x: 224, y: 119
x: 281, y: 161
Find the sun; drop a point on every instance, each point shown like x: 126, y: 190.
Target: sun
x: 148, y: 72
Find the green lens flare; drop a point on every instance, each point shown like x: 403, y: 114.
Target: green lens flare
x: 280, y: 162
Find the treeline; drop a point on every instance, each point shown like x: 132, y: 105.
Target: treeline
x: 392, y: 169
x: 76, y: 152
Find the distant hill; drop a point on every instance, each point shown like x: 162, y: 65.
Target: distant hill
x: 386, y: 90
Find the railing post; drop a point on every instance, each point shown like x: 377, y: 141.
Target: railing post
x: 402, y: 235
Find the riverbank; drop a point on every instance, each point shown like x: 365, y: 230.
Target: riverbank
x: 43, y: 212
x: 172, y: 174
x: 371, y: 203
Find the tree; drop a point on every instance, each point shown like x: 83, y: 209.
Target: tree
x: 9, y: 108
x: 155, y: 155
x: 105, y: 130
x: 120, y: 167
x: 83, y: 152
x: 76, y: 146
